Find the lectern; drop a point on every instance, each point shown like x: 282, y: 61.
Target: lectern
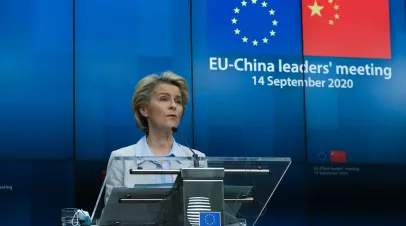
x: 232, y: 191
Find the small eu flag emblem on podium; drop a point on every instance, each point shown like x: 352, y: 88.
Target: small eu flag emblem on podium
x: 209, y: 219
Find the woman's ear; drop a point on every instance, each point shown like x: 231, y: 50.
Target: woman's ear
x: 143, y: 111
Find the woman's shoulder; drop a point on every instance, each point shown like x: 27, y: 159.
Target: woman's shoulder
x: 127, y: 150
x: 124, y: 151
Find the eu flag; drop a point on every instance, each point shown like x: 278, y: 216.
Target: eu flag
x: 209, y: 219
x: 255, y: 27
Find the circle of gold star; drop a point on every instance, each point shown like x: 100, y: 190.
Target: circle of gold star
x: 244, y: 38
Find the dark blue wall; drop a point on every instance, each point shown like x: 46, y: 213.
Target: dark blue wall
x: 68, y: 70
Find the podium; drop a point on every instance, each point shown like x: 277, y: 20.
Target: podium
x: 229, y: 191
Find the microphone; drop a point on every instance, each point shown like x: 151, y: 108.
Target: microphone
x: 195, y: 161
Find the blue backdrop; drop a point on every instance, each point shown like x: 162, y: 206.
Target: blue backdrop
x: 62, y: 98
x: 68, y: 70
x: 236, y: 114
x: 116, y: 45
x: 36, y: 80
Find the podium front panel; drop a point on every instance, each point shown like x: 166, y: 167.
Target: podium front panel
x: 168, y: 190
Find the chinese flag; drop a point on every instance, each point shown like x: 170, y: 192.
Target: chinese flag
x: 338, y: 156
x: 346, y: 28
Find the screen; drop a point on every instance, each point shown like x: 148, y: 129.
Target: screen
x: 360, y: 116
x: 34, y: 193
x: 314, y: 82
x: 36, y: 79
x: 319, y: 81
x: 305, y: 80
x: 116, y: 45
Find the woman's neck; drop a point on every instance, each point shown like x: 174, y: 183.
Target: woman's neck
x: 159, y: 142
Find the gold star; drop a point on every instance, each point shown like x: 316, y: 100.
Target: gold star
x: 254, y: 1
x: 331, y: 22
x: 337, y: 16
x: 255, y: 42
x: 336, y: 7
x: 272, y: 33
x: 264, y: 4
x: 275, y: 23
x: 265, y: 40
x: 245, y: 39
x: 271, y: 12
x: 236, y: 10
x: 330, y: 1
x: 234, y: 21
x: 237, y: 31
x: 316, y: 8
x: 244, y: 3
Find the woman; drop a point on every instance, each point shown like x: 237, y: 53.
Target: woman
x: 158, y: 105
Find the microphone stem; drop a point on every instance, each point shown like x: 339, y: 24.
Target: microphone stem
x: 195, y: 161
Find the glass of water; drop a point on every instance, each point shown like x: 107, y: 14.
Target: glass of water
x: 67, y: 217
x: 243, y: 222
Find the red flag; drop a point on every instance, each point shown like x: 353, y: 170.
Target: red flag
x: 338, y: 156
x: 346, y: 28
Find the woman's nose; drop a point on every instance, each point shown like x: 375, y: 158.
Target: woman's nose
x: 172, y: 105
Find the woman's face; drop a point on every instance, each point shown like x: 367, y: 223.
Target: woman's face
x: 164, y: 109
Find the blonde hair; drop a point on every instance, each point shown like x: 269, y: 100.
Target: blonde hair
x: 144, y: 90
